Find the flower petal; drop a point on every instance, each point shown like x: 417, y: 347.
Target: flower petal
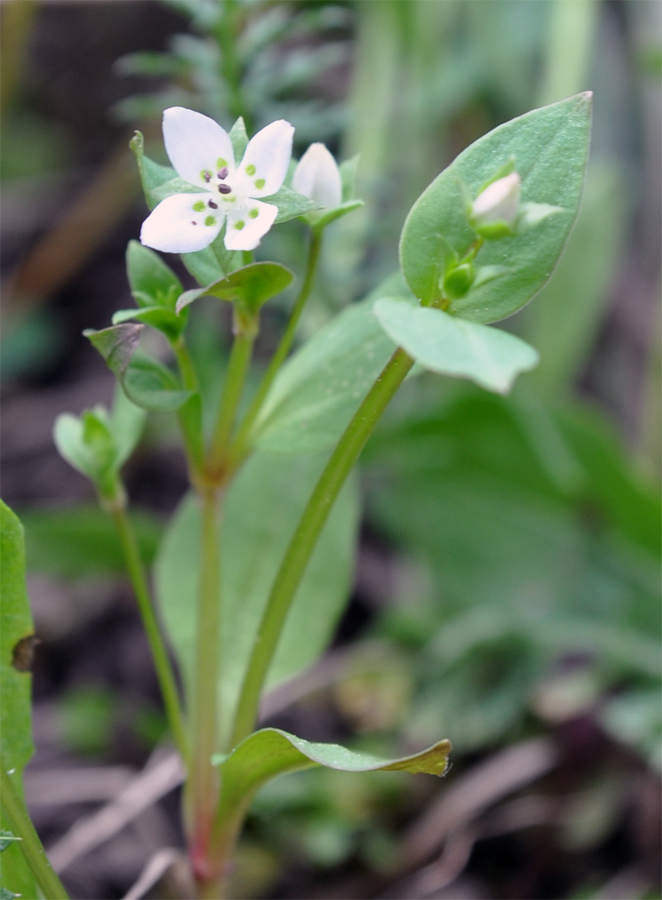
x: 175, y: 226
x: 317, y: 176
x: 246, y: 226
x: 264, y: 166
x: 195, y: 144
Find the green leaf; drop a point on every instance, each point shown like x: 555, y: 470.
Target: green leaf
x: 6, y: 894
x: 452, y: 346
x: 152, y: 174
x: 250, y: 286
x: 290, y: 204
x: 336, y: 212
x: 239, y: 139
x: 16, y: 644
x: 116, y: 344
x: 84, y: 445
x: 550, y: 146
x: 174, y: 186
x: 152, y: 386
x: 153, y: 283
x: 319, y: 389
x: 165, y: 320
x: 252, y: 545
x: 272, y: 752
x: 203, y: 266
x: 79, y: 541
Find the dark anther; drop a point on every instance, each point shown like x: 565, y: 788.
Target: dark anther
x: 212, y: 204
x: 193, y: 223
x: 207, y: 176
x: 225, y: 189
x: 223, y: 173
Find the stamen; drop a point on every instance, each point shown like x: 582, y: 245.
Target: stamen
x: 212, y: 204
x: 224, y: 189
x: 206, y: 174
x: 223, y: 173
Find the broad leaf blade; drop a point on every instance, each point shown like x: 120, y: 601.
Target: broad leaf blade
x: 16, y: 634
x: 452, y: 346
x: 550, y: 147
x: 152, y: 386
x: 320, y: 388
x: 253, y: 542
x: 271, y: 752
x: 252, y: 285
x: 149, y: 275
x: 152, y: 174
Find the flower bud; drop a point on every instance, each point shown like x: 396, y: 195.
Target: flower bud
x: 458, y: 280
x: 494, y: 213
x: 317, y: 176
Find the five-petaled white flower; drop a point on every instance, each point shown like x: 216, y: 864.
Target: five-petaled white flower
x: 201, y: 153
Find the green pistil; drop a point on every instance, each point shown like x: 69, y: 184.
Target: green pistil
x: 210, y: 220
x: 259, y: 184
x: 253, y: 214
x: 250, y: 169
x: 239, y: 225
x: 198, y: 206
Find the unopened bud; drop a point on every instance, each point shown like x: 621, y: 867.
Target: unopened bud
x: 317, y: 176
x: 494, y: 212
x: 458, y: 280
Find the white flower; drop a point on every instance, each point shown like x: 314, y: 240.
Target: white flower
x: 201, y: 153
x: 317, y: 176
x: 498, y: 204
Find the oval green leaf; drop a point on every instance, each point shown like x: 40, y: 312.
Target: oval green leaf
x: 452, y: 346
x: 550, y: 148
x: 253, y: 542
x: 251, y: 286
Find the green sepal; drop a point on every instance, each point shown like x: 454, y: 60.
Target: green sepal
x: 152, y: 175
x: 152, y: 282
x: 451, y: 346
x: 228, y: 260
x: 290, y: 204
x: 348, y: 170
x: 551, y: 149
x: 458, y: 279
x: 239, y: 138
x: 250, y: 286
x: 166, y: 321
x: 271, y: 752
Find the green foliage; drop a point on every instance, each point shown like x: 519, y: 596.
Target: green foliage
x: 320, y: 388
x: 153, y: 283
x: 99, y: 443
x: 80, y: 541
x: 550, y: 146
x: 456, y: 347
x: 271, y: 752
x: 16, y: 635
x: 248, y: 287
x: 526, y: 564
x: 253, y: 541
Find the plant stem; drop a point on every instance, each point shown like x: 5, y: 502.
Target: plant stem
x: 240, y: 357
x: 202, y: 787
x: 305, y: 537
x: 238, y: 449
x: 159, y: 653
x: 185, y: 363
x: 189, y: 415
x: 31, y: 847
